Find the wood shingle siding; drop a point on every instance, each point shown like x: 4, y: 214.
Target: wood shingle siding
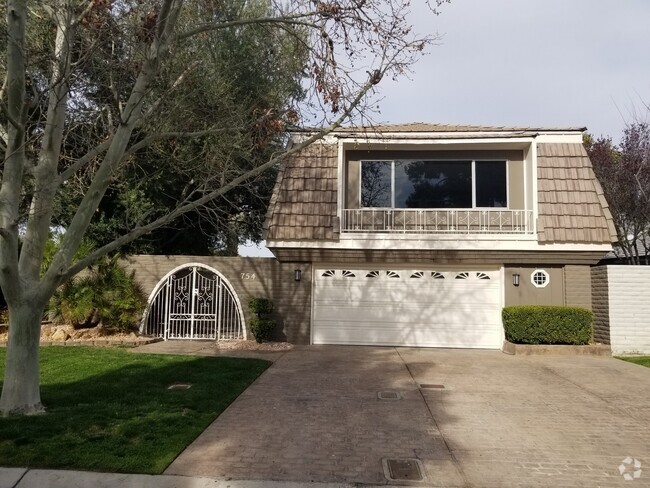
x: 572, y: 207
x: 303, y: 205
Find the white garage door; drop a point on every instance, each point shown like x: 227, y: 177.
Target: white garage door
x: 407, y: 307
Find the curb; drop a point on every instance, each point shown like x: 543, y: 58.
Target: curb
x: 98, y: 343
x: 555, y: 350
x: 50, y: 478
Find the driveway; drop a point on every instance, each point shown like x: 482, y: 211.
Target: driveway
x: 499, y: 421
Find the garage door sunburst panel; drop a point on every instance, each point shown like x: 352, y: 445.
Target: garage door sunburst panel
x: 414, y: 307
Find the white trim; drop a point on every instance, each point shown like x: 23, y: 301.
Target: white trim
x: 490, y: 137
x: 360, y: 142
x: 163, y: 281
x: 311, y: 303
x: 342, y: 182
x: 545, y: 273
x: 559, y: 138
x: 502, y: 297
x: 440, y: 242
x: 535, y: 196
x: 526, y: 183
x: 473, y: 176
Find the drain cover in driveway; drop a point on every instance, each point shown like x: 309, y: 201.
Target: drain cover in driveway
x: 403, y: 469
x: 428, y: 386
x: 389, y: 395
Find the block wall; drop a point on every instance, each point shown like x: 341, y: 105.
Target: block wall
x: 249, y: 277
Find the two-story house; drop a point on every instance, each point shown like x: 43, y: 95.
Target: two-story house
x: 419, y: 234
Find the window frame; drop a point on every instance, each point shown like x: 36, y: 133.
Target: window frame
x: 473, y: 162
x: 543, y: 272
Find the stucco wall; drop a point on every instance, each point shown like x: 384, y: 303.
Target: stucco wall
x: 250, y: 277
x: 627, y: 307
x: 527, y: 293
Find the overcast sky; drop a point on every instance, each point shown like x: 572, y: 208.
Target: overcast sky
x: 529, y: 62
x: 549, y: 63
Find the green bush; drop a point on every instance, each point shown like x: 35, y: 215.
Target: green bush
x: 261, y: 325
x: 261, y: 328
x: 260, y: 306
x: 539, y: 324
x: 107, y: 294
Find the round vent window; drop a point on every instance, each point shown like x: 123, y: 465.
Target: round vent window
x: 539, y: 278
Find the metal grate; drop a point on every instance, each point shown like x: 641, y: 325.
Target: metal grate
x: 403, y: 469
x: 389, y: 395
x: 432, y: 387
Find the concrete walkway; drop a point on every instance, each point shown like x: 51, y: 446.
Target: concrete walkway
x: 497, y: 421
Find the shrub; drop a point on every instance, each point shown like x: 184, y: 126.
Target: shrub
x: 107, y: 294
x: 260, y: 306
x: 261, y: 326
x: 538, y: 324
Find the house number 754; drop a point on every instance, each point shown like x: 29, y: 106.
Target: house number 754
x: 248, y: 276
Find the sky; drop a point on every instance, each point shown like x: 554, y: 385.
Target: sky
x: 550, y: 63
x: 542, y: 63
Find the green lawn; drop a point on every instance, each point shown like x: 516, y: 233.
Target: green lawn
x: 642, y: 360
x: 110, y: 410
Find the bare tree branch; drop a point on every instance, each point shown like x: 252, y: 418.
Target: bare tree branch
x: 187, y: 207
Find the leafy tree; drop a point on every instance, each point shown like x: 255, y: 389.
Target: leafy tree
x: 624, y: 173
x: 90, y: 84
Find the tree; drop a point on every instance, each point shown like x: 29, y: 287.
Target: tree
x: 624, y: 173
x: 89, y: 83
x: 237, y: 78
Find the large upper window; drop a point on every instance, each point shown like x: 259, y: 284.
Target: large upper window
x: 433, y: 184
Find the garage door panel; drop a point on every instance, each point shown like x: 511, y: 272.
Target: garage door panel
x: 390, y: 307
x: 409, y: 337
x: 400, y: 313
x: 442, y: 298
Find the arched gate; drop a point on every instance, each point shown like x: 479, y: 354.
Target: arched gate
x: 194, y: 301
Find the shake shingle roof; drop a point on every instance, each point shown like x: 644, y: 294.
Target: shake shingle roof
x: 572, y: 207
x: 303, y: 205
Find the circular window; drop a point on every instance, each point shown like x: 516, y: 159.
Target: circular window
x: 539, y: 278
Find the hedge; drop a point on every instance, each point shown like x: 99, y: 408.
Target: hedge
x: 541, y: 324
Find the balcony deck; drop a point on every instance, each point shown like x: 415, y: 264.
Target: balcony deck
x: 434, y: 221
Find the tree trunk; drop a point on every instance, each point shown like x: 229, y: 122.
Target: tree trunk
x: 21, y: 393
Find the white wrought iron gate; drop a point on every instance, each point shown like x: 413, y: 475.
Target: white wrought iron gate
x: 194, y: 302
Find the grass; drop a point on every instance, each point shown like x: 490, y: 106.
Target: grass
x: 110, y: 410
x: 642, y: 360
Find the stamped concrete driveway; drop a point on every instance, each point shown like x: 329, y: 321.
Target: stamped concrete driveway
x: 499, y: 421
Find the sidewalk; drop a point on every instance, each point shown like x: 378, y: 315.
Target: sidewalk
x: 49, y: 478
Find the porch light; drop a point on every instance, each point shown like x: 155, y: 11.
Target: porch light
x: 515, y: 279
x: 297, y: 274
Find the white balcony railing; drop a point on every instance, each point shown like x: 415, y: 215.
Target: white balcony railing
x: 425, y: 221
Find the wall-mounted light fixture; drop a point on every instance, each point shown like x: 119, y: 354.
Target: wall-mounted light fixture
x: 515, y: 279
x: 297, y: 274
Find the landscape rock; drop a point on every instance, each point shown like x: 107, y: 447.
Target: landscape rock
x: 60, y: 336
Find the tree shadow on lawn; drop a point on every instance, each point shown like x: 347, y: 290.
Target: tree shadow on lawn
x: 108, y: 410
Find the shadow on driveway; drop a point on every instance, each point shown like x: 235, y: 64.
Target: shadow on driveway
x: 499, y: 421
